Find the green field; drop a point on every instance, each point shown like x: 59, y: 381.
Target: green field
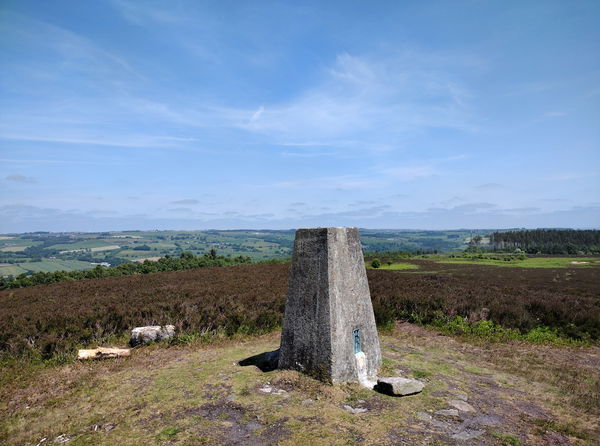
x: 13, y: 248
x: 529, y: 262
x: 396, y: 266
x: 7, y: 269
x: 46, y: 265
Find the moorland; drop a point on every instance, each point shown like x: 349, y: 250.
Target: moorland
x: 514, y: 336
x: 517, y: 344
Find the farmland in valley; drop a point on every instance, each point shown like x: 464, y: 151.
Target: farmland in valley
x: 34, y: 252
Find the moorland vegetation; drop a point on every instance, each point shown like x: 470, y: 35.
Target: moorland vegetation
x: 539, y: 304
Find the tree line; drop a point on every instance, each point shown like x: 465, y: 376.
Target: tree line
x: 185, y: 261
x: 548, y: 241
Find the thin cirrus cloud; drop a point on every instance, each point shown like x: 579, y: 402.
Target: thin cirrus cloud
x: 186, y: 201
x: 16, y: 178
x: 362, y: 95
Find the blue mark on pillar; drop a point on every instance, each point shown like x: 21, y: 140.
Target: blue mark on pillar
x: 356, y: 338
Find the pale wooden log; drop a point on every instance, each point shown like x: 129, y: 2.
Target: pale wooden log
x: 103, y: 353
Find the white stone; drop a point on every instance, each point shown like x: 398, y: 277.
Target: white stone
x: 355, y: 410
x: 152, y: 333
x: 399, y: 386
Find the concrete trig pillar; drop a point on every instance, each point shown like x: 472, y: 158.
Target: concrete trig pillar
x: 329, y: 327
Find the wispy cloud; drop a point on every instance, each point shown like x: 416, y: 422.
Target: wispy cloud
x: 489, y: 186
x: 385, y: 95
x: 342, y: 182
x: 186, y: 201
x: 20, y: 179
x: 410, y: 173
x: 554, y: 114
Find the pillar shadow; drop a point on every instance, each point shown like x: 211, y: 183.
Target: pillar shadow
x: 266, y: 362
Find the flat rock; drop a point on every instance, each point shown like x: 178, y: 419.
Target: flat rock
x: 468, y: 434
x: 151, y: 333
x: 399, y: 386
x: 462, y: 405
x: 424, y: 416
x: 447, y: 412
x: 460, y: 395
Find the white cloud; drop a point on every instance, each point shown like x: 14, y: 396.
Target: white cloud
x: 363, y: 96
x: 256, y: 116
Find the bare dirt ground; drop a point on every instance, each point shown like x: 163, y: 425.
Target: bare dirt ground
x: 475, y: 394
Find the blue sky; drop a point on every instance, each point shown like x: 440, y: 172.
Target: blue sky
x: 232, y: 114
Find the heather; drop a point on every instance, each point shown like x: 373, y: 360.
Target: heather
x: 46, y: 320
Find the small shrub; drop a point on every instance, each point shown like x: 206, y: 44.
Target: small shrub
x: 376, y: 263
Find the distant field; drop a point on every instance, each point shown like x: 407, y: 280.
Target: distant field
x: 105, y: 248
x: 56, y: 265
x: 13, y: 248
x: 534, y: 262
x: 81, y: 245
x: 46, y: 265
x: 8, y: 269
x: 117, y: 247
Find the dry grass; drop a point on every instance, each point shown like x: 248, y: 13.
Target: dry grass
x: 197, y: 394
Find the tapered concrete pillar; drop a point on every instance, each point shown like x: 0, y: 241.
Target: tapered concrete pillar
x: 329, y: 328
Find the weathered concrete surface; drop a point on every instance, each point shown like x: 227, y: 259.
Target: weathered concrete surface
x: 399, y: 386
x: 328, y: 298
x: 152, y: 333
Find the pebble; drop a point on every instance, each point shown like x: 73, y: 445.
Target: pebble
x: 308, y: 402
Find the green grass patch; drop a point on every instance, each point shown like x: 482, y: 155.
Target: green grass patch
x: 395, y: 266
x: 168, y: 433
x: 489, y: 331
x: 506, y: 439
x: 419, y: 374
x: 524, y: 262
x: 399, y: 266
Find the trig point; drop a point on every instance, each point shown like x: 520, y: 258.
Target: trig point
x: 329, y: 328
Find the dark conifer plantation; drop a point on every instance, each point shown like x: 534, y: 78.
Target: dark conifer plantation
x: 548, y: 241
